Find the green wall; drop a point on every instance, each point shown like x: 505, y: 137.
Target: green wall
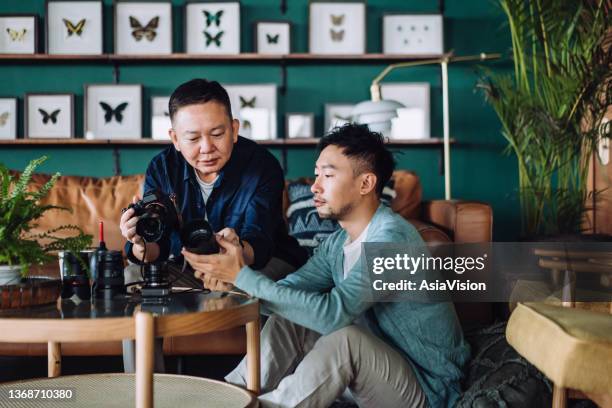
x: 479, y: 169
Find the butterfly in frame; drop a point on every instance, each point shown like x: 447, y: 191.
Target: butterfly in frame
x: 109, y: 112
x: 272, y: 39
x: 216, y: 39
x: 72, y: 28
x: 247, y: 103
x: 46, y: 116
x: 148, y: 31
x: 336, y: 36
x: 17, y: 35
x: 4, y: 118
x: 337, y: 20
x: 213, y: 18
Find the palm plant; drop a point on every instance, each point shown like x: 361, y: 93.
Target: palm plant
x: 551, y: 108
x: 19, y: 210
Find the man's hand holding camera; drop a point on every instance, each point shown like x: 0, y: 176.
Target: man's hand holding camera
x: 127, y: 225
x: 221, y: 267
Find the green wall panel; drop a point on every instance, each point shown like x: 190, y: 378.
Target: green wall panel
x: 479, y: 169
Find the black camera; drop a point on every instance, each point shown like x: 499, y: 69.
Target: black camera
x: 157, y: 216
x: 198, y: 237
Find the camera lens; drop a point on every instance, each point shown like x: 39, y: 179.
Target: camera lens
x: 110, y: 281
x: 150, y: 227
x: 155, y: 275
x: 198, y: 237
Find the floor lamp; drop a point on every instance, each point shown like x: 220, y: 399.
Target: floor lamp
x: 377, y: 113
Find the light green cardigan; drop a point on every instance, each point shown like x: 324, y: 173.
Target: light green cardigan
x: 318, y: 297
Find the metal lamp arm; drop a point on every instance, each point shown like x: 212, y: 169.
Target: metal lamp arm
x: 448, y: 58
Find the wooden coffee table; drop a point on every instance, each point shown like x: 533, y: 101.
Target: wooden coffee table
x: 180, y: 314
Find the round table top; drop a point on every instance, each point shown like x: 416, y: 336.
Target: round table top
x: 178, y: 302
x: 118, y: 390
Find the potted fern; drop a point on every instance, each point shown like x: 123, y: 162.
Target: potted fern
x: 553, y: 105
x: 20, y: 208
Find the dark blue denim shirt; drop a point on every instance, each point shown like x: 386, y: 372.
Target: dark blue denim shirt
x: 247, y: 196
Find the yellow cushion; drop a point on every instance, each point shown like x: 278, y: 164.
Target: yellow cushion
x: 572, y: 347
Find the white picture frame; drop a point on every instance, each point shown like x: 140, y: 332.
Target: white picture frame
x: 8, y: 118
x: 106, y: 116
x: 212, y: 27
x: 143, y: 27
x: 272, y: 37
x: 160, y: 118
x: 49, y: 116
x: 18, y: 34
x: 255, y: 105
x: 337, y: 114
x: 414, y: 34
x: 299, y: 125
x: 413, y: 121
x: 74, y: 27
x: 337, y: 27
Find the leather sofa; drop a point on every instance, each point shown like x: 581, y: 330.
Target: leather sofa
x: 94, y: 199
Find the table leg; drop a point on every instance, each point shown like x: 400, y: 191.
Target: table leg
x: 144, y: 360
x: 129, y: 356
x: 253, y: 356
x: 54, y: 359
x: 559, y: 399
x: 128, y: 347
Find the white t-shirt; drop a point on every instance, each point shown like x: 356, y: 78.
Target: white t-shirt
x: 206, y: 189
x: 352, y: 251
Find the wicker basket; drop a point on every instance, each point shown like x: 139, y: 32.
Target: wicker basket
x: 32, y: 291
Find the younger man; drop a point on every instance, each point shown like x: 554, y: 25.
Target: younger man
x: 322, y: 337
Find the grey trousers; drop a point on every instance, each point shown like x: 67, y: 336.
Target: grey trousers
x: 301, y: 368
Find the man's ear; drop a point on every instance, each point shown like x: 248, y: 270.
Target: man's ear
x: 174, y: 139
x: 368, y: 183
x: 235, y: 129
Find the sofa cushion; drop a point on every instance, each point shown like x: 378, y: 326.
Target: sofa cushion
x: 91, y: 200
x: 304, y: 222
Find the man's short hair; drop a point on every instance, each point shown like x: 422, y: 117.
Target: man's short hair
x: 366, y: 149
x: 198, y: 91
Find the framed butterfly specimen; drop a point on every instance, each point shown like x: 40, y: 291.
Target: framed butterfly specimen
x: 143, y: 27
x: 299, y: 125
x: 74, y: 27
x: 113, y: 111
x: 49, y: 116
x: 212, y: 27
x: 18, y: 34
x: 272, y: 37
x: 8, y: 118
x: 255, y: 105
x: 337, y: 27
x: 415, y: 34
x: 160, y: 118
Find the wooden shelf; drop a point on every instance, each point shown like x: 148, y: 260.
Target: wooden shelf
x: 244, y: 57
x: 144, y: 142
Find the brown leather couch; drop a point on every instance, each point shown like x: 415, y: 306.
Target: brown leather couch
x: 95, y: 199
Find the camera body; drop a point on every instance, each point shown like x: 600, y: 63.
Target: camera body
x: 157, y: 216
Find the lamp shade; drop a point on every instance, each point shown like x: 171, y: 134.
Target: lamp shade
x: 376, y: 114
